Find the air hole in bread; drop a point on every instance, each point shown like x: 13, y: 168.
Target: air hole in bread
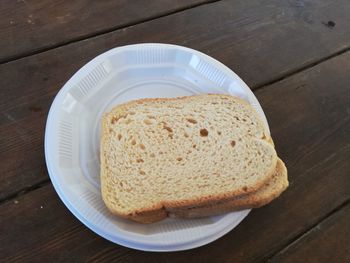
x: 119, y: 137
x: 219, y: 132
x: 133, y: 141
x: 165, y: 127
x: 233, y: 143
x: 132, y: 113
x: 179, y: 159
x: 204, y: 132
x: 128, y: 121
x: 114, y: 119
x: 186, y: 135
x: 245, y: 189
x: 191, y: 120
x: 263, y: 137
x: 147, y: 122
x: 152, y: 155
x: 194, y: 146
x: 139, y: 160
x: 142, y: 146
x: 244, y: 119
x: 142, y: 172
x: 236, y: 118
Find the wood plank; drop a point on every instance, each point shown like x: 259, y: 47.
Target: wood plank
x: 309, y: 115
x: 32, y: 26
x: 327, y: 242
x: 48, y: 219
x: 244, y: 35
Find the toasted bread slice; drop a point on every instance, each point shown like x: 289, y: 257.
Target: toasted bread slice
x: 159, y: 154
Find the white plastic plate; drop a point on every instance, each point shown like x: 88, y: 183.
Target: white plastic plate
x: 73, y: 132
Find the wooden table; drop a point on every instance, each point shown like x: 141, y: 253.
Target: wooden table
x: 295, y: 56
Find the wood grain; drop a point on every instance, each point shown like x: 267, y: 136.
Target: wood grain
x: 329, y: 241
x: 49, y: 220
x: 32, y: 26
x: 309, y: 115
x: 261, y: 42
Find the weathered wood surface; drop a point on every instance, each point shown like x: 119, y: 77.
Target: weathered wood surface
x: 261, y: 42
x: 309, y: 116
x: 28, y: 26
x: 329, y: 241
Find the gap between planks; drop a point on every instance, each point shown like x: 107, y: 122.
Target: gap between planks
x: 25, y: 190
x: 102, y: 32
x: 297, y: 238
x: 298, y: 70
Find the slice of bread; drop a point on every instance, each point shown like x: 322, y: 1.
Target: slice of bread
x: 269, y: 191
x: 158, y: 154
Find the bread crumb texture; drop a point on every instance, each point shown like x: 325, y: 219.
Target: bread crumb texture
x: 158, y: 154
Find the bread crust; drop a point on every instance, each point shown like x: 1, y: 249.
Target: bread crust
x: 161, y: 210
x: 260, y: 198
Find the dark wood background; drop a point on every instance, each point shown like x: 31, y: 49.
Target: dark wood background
x: 294, y: 54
